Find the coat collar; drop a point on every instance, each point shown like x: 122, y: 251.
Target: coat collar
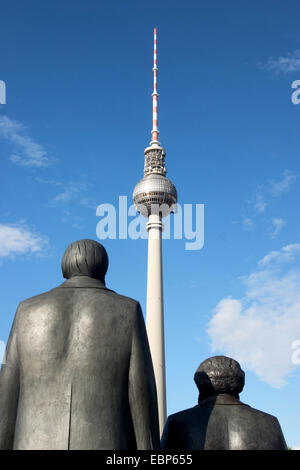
x: 83, y: 281
x: 221, y: 399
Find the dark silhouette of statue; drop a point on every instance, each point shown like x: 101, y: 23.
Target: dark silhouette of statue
x: 78, y: 372
x: 221, y: 421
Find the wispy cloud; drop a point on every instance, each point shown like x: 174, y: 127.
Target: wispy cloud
x: 51, y: 182
x: 74, y: 220
x: 248, y: 224
x: 284, y: 184
x: 26, y: 151
x: 277, y: 223
x: 20, y: 240
x: 259, y: 202
x: 266, y: 193
x: 71, y: 191
x: 263, y: 197
x: 69, y: 195
x: 286, y: 254
x: 259, y: 329
x: 284, y: 64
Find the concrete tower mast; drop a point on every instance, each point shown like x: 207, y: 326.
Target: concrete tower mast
x: 155, y: 197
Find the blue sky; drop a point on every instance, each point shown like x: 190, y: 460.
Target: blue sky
x: 72, y: 133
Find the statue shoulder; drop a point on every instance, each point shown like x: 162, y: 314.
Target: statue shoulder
x: 262, y: 415
x: 35, y: 300
x: 122, y: 299
x: 184, y: 415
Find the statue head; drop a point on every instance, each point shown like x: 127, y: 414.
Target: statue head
x: 219, y: 374
x: 85, y: 258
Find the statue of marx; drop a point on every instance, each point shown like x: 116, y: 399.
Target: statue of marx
x: 78, y: 371
x: 221, y: 421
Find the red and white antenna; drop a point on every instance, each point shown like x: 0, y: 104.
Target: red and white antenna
x: 154, y: 131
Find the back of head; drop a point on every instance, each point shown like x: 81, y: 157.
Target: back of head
x: 85, y: 258
x: 219, y: 374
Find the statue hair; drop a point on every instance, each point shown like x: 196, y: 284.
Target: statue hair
x: 219, y: 374
x: 85, y: 258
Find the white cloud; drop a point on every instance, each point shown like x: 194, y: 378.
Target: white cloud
x: 70, y: 191
x: 263, y: 197
x: 284, y: 184
x: 70, y: 194
x: 277, y: 226
x: 248, y: 223
x: 296, y: 448
x: 259, y: 200
x: 27, y: 152
x: 266, y: 193
x: 259, y: 329
x: 75, y: 221
x: 18, y: 240
x: 65, y: 196
x: 287, y: 254
x: 51, y: 182
x: 284, y: 64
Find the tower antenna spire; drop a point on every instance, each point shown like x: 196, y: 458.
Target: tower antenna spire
x: 154, y: 131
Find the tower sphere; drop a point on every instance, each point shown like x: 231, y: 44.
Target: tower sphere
x: 155, y: 191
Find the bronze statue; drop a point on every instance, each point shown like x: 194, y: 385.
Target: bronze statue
x: 78, y: 372
x: 221, y: 421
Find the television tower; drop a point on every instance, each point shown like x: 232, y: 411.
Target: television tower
x: 155, y: 197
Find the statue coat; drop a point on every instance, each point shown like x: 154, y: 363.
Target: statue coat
x: 222, y: 422
x: 78, y: 373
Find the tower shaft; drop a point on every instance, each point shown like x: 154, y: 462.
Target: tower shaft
x: 155, y: 312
